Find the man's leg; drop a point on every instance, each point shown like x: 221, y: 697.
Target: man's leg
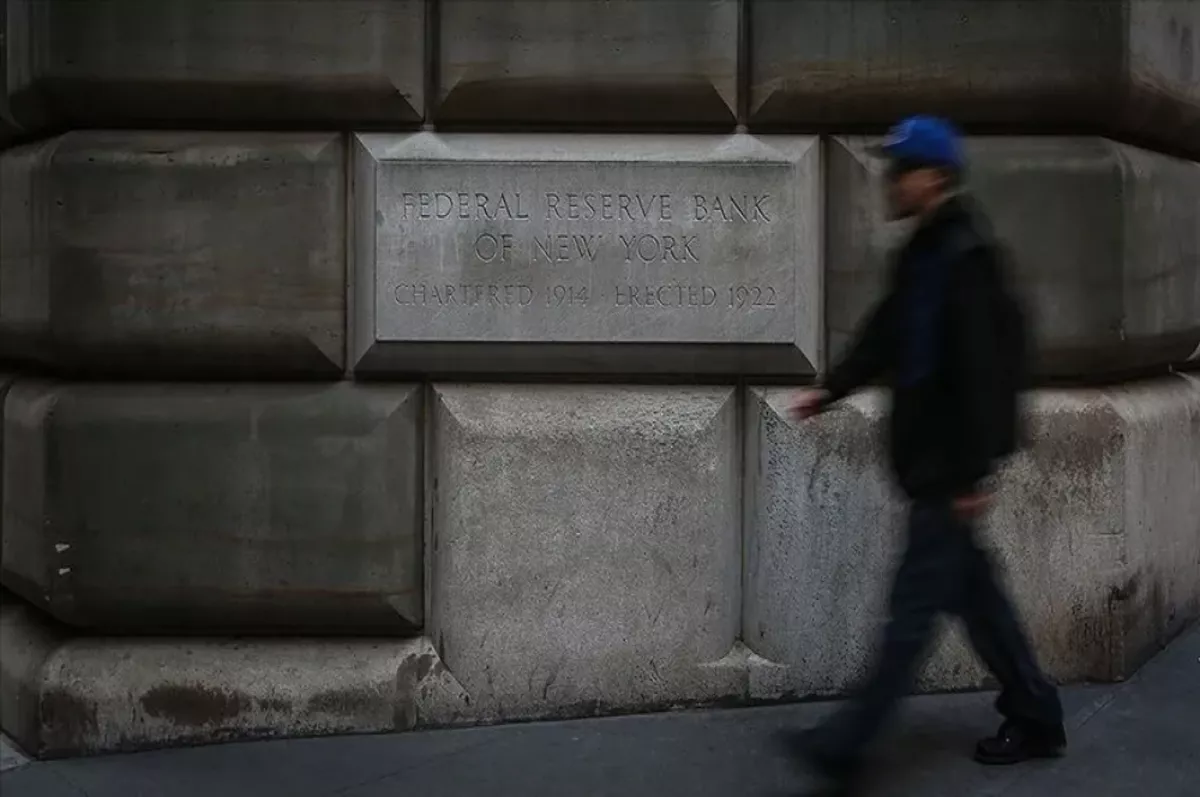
x: 1028, y: 701
x: 925, y: 584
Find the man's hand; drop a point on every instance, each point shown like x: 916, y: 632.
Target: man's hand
x: 972, y: 505
x: 808, y: 402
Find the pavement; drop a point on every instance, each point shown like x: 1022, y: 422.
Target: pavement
x: 1139, y: 737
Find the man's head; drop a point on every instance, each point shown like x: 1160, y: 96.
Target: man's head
x: 924, y: 164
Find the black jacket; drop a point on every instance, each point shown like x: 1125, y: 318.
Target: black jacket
x: 933, y: 338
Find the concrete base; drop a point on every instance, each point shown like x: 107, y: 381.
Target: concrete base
x: 71, y: 696
x: 1137, y: 738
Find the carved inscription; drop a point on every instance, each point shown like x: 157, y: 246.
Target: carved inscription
x: 561, y: 241
x: 631, y: 240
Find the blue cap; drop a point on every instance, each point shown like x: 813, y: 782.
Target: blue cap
x: 923, y: 141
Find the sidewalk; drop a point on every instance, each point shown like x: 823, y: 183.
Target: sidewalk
x: 1141, y: 737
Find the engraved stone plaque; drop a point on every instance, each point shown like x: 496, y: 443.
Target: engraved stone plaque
x: 586, y: 254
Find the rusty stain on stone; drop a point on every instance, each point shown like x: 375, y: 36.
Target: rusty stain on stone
x: 273, y: 704
x: 70, y: 721
x: 406, y: 676
x: 347, y: 702
x: 194, y: 705
x: 1124, y: 592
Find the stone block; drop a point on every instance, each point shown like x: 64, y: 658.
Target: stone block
x: 584, y: 549
x: 669, y: 62
x: 132, y: 63
x: 586, y: 254
x: 1095, y: 528
x: 1104, y: 242
x: 154, y: 253
x: 1110, y: 67
x: 218, y: 508
x: 110, y: 694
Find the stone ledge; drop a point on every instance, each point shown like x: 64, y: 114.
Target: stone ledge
x: 65, y: 696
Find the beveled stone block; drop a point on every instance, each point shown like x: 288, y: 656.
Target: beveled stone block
x: 1104, y: 242
x: 1102, y: 66
x: 586, y: 254
x: 585, y: 546
x: 317, y: 62
x: 667, y: 62
x: 1094, y: 527
x: 220, y: 508
x: 154, y: 253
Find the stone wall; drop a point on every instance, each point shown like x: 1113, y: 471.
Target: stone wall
x: 379, y: 364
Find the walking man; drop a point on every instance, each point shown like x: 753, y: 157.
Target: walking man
x: 948, y: 340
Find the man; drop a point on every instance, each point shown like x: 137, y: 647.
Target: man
x: 939, y: 339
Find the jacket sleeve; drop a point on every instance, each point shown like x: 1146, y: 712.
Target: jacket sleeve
x: 974, y: 348
x: 869, y: 355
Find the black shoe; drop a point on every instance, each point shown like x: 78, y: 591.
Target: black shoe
x: 1016, y: 742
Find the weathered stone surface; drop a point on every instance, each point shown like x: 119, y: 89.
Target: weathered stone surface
x: 584, y: 551
x: 586, y: 254
x: 1104, y: 241
x: 126, y: 63
x: 1096, y: 527
x: 166, y: 253
x: 156, y: 507
x: 669, y: 62
x: 1163, y: 47
x: 97, y: 695
x: 1161, y: 505
x: 1108, y: 66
